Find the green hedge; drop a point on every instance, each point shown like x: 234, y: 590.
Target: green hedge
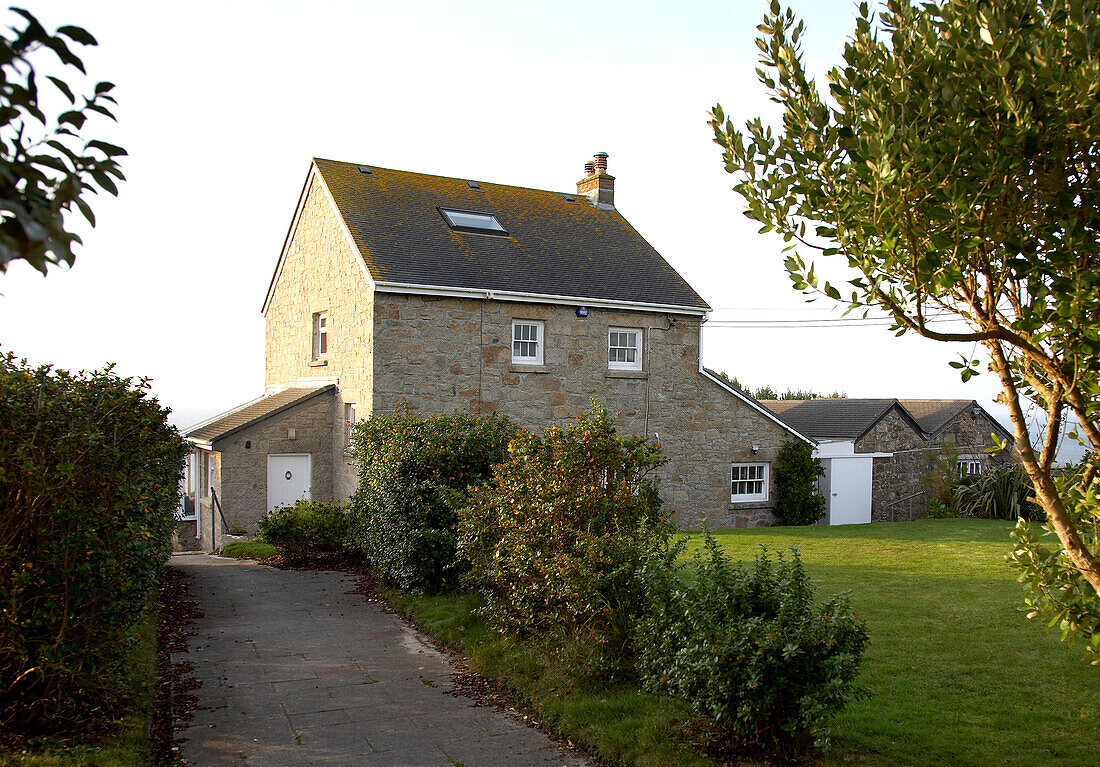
x: 307, y: 530
x: 89, y: 484
x: 414, y: 473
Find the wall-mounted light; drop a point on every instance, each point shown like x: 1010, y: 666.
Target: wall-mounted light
x: 755, y: 449
x: 248, y: 444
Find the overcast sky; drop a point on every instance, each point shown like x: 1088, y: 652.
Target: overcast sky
x: 222, y: 105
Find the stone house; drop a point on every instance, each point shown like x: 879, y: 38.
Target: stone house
x: 883, y: 449
x: 449, y: 294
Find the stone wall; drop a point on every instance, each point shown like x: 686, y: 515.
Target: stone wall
x: 442, y: 354
x: 896, y: 479
x: 321, y: 272
x: 243, y: 460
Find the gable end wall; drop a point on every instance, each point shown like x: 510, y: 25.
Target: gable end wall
x: 322, y: 273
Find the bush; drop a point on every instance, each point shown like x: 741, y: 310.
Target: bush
x: 414, y: 473
x: 89, y: 484
x: 795, y: 473
x: 749, y: 650
x: 556, y: 539
x: 307, y: 530
x: 1001, y: 493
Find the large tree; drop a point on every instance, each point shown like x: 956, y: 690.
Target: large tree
x: 954, y: 168
x: 46, y: 167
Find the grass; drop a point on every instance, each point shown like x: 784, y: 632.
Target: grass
x: 128, y: 744
x: 254, y: 549
x: 955, y: 674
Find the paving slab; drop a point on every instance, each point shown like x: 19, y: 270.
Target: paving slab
x: 298, y: 671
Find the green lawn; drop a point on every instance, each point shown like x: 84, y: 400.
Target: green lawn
x: 956, y: 675
x: 128, y: 745
x: 253, y: 549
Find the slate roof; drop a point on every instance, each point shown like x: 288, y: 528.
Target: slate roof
x: 935, y: 414
x: 254, y: 412
x: 553, y: 247
x: 828, y: 418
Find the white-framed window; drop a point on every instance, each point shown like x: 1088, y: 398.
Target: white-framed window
x: 320, y: 335
x: 970, y: 464
x: 749, y: 483
x: 624, y: 349
x: 349, y: 413
x: 527, y: 342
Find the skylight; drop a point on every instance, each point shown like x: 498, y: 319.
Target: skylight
x: 472, y: 221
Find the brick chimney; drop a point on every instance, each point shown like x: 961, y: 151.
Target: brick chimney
x: 596, y: 184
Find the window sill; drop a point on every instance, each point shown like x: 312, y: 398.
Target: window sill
x: 765, y: 504
x: 514, y: 368
x: 639, y: 374
x: 318, y: 363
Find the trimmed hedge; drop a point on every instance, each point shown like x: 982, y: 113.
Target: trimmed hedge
x: 307, y: 530
x: 89, y: 485
x: 414, y: 473
x: 795, y: 473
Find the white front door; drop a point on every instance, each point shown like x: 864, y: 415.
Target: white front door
x: 850, y: 488
x: 287, y: 479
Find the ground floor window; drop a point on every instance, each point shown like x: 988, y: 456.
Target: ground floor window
x: 750, y: 482
x: 969, y: 465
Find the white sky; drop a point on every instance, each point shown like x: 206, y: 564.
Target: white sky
x: 222, y: 105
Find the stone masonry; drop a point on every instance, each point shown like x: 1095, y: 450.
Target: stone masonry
x: 241, y: 464
x: 440, y: 354
x: 899, y: 491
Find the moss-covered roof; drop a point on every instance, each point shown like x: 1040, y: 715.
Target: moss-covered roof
x: 553, y: 247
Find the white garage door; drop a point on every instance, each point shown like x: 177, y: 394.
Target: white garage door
x: 287, y: 479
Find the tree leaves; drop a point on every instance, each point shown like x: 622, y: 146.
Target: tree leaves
x: 51, y: 171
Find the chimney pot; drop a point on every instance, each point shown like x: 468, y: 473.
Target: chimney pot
x: 596, y: 185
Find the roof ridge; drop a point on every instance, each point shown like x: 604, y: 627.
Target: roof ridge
x: 454, y: 178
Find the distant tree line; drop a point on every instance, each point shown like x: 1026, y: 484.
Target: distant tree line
x: 769, y: 392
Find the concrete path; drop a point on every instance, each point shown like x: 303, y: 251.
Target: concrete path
x: 297, y: 671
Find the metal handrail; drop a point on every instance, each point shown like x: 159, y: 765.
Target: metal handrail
x: 896, y: 501
x: 218, y: 505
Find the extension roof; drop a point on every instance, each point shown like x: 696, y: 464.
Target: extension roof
x: 830, y: 418
x: 553, y: 247
x: 253, y: 412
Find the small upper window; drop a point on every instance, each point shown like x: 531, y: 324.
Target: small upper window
x: 527, y: 342
x: 624, y: 349
x: 320, y: 336
x: 749, y: 483
x: 472, y: 221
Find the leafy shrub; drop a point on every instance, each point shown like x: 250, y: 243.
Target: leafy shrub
x: 936, y: 510
x: 1002, y: 493
x: 556, y: 538
x: 941, y: 479
x: 795, y: 473
x: 307, y: 530
x: 1057, y: 592
x: 89, y: 484
x: 749, y: 650
x: 413, y: 476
